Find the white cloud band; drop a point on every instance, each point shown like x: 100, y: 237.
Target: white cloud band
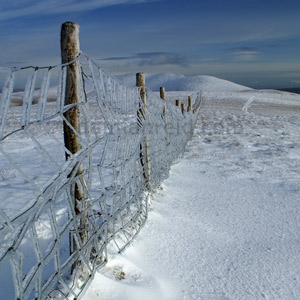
x: 20, y: 8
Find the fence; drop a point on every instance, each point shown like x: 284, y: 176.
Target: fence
x: 76, y: 175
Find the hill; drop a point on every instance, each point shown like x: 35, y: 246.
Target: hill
x: 174, y: 82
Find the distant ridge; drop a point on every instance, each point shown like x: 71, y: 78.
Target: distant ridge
x: 173, y: 82
x: 291, y: 90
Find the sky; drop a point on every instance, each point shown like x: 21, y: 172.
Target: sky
x: 251, y: 42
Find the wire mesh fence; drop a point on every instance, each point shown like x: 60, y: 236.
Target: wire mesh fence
x: 60, y: 210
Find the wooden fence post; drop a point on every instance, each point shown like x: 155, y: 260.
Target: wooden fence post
x: 189, y: 108
x: 182, y: 108
x: 162, y: 96
x: 69, y: 52
x: 178, y: 103
x: 141, y: 82
x: 162, y: 93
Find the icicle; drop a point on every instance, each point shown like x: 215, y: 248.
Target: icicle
x: 98, y: 94
x: 6, y: 100
x: 61, y: 90
x: 43, y: 95
x: 101, y: 82
x: 28, y: 97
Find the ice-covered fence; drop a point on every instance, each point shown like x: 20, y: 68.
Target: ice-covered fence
x: 39, y: 221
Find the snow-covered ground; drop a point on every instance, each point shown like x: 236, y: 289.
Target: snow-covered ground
x: 226, y: 224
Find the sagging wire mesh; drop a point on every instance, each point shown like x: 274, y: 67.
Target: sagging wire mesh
x: 58, y: 215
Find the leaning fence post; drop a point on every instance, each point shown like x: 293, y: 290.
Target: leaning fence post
x: 141, y: 83
x: 69, y: 52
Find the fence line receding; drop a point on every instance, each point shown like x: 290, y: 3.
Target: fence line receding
x: 62, y: 208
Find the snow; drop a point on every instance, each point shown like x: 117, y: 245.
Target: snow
x: 225, y: 224
x: 17, y: 97
x: 173, y: 82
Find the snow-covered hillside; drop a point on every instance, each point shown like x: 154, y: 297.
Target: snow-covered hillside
x: 176, y: 84
x: 173, y: 82
x: 225, y: 225
x: 213, y: 87
x: 17, y: 97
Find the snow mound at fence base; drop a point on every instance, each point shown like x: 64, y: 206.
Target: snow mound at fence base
x: 175, y: 82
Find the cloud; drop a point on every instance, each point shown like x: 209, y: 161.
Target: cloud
x: 244, y: 53
x: 207, y: 59
x: 246, y: 56
x: 243, y: 48
x: 20, y: 8
x: 117, y: 58
x: 161, y: 58
x: 275, y: 46
x: 152, y: 59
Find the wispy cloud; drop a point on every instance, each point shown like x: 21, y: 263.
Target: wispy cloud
x: 246, y: 56
x: 243, y: 48
x: 152, y: 59
x: 296, y: 81
x: 118, y: 58
x: 207, y: 59
x: 19, y: 8
x: 244, y: 53
x: 161, y: 58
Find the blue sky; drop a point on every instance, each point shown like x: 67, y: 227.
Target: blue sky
x: 251, y: 42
